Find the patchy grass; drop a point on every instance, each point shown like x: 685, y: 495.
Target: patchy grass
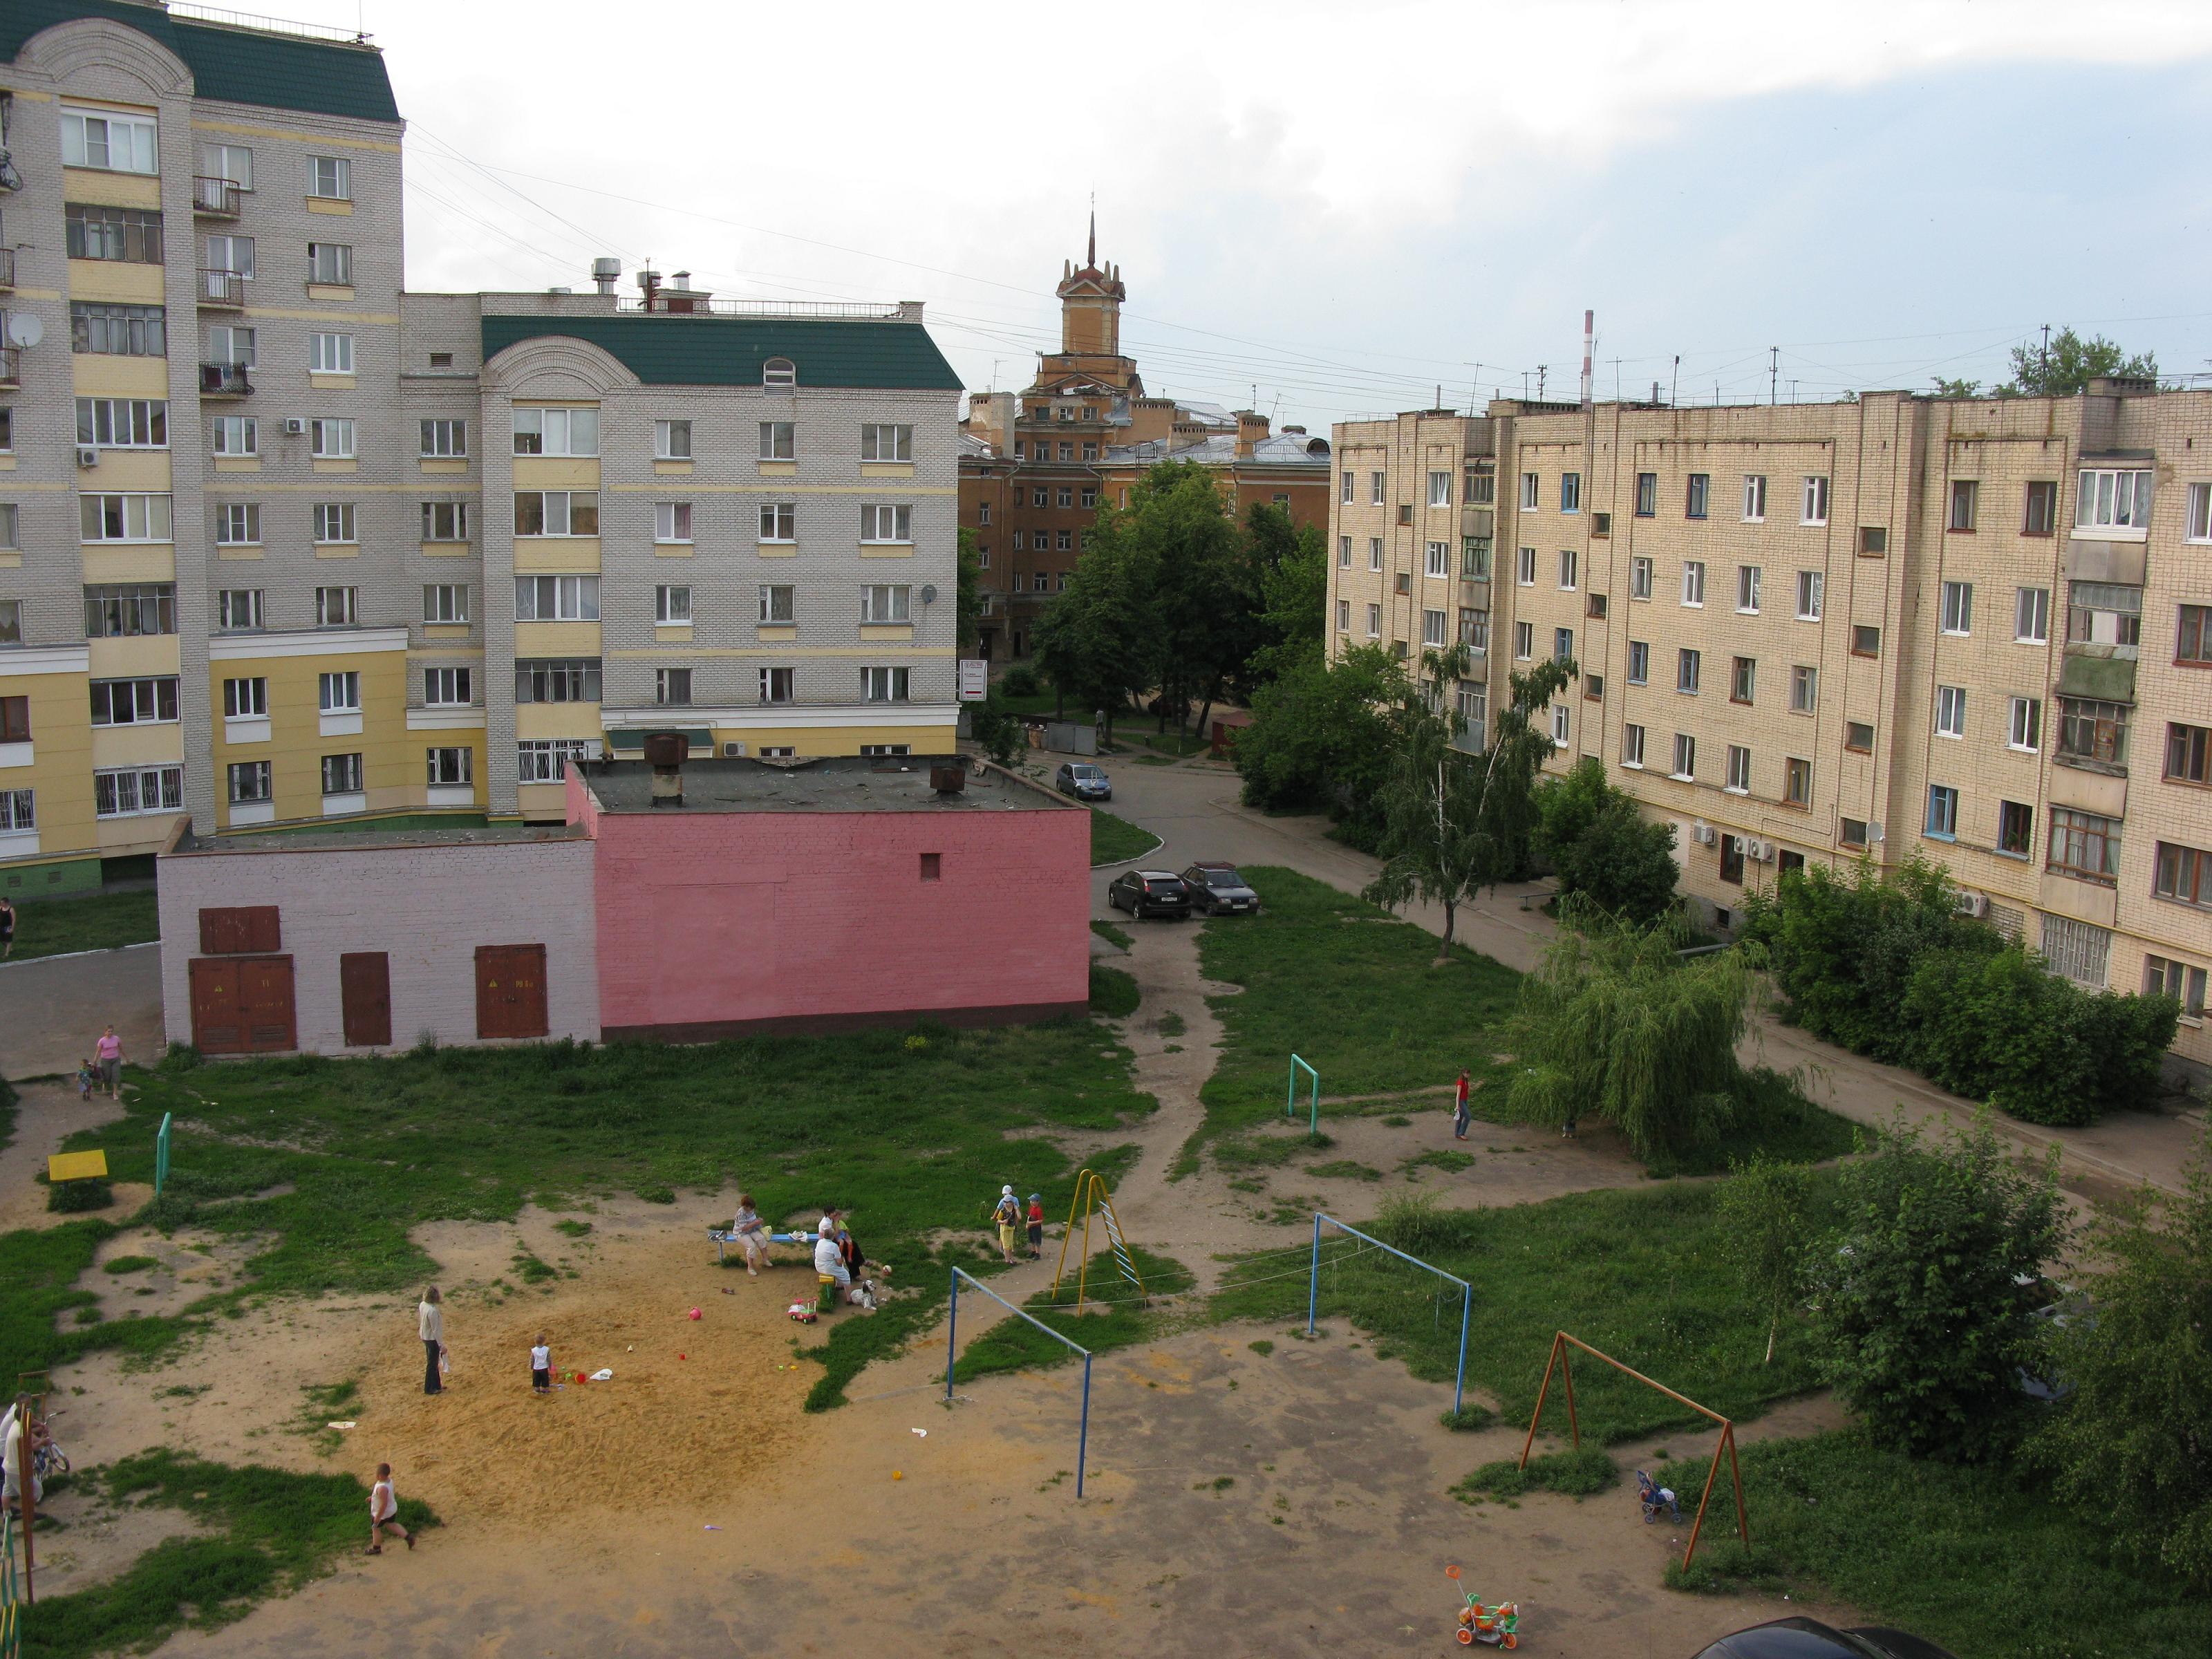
x: 1450, y: 1159
x: 1169, y: 1024
x: 1467, y: 1419
x: 1951, y: 1553
x: 1111, y: 934
x: 1344, y: 1169
x: 1578, y: 1473
x: 129, y: 1264
x: 1113, y: 994
x: 571, y: 1228
x: 1114, y: 840
x: 38, y: 1274
x: 97, y: 921
x: 1126, y: 1319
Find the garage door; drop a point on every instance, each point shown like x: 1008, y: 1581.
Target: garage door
x: 511, y: 991
x: 242, y: 1004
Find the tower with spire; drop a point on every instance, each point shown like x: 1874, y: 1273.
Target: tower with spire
x: 1090, y: 304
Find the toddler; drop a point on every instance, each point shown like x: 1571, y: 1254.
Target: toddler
x: 84, y: 1079
x: 541, y: 1367
x: 383, y: 1513
x: 1036, y: 1226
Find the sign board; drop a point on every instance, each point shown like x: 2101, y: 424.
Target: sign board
x: 975, y: 679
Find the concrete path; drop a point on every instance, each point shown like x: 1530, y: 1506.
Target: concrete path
x: 1193, y: 805
x: 52, y: 1008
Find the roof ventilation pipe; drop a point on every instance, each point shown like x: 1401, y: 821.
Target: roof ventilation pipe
x: 605, y: 270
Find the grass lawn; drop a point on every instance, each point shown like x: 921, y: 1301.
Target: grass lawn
x: 1637, y: 1273
x: 1111, y: 934
x: 1013, y: 1345
x: 1976, y: 1559
x: 1112, y: 840
x: 97, y: 922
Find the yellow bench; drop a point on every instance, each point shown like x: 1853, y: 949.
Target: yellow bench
x: 78, y: 1166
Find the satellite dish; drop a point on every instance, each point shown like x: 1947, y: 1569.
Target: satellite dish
x: 25, y: 329
x: 929, y: 594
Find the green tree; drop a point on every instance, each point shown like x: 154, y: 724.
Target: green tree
x: 995, y: 727
x: 1320, y: 738
x: 1763, y: 1208
x: 1923, y: 1326
x: 1957, y: 388
x: 1293, y: 567
x: 2067, y: 365
x: 1602, y: 848
x: 2132, y: 1443
x: 1094, y: 641
x: 968, y: 604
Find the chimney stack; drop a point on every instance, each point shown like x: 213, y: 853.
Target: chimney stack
x: 605, y: 271
x: 1589, y: 344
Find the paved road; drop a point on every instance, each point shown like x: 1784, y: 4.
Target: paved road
x: 1194, y: 807
x: 52, y: 1008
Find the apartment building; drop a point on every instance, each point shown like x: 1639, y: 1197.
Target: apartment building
x: 1035, y: 466
x: 281, y: 542
x: 1970, y: 629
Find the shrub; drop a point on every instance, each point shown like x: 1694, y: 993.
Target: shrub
x: 74, y: 1197
x: 1602, y: 850
x: 1021, y: 682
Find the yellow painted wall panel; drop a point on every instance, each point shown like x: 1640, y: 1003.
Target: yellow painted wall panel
x: 103, y: 189
x: 536, y: 720
x: 556, y: 472
x: 147, y: 562
x: 570, y: 639
x: 548, y: 554
x: 147, y: 654
x: 61, y: 758
x: 99, y: 375
x: 151, y: 745
x: 116, y: 279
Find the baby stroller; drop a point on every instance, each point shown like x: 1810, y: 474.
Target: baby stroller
x: 1655, y: 1498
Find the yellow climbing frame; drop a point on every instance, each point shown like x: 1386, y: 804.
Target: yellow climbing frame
x: 1092, y: 1197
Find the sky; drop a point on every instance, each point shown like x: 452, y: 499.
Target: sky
x: 1325, y: 211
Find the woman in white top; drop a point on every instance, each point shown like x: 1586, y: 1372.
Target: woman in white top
x: 430, y: 1325
x: 830, y: 1261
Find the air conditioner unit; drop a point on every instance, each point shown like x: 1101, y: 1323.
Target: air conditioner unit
x: 1758, y: 851
x: 1874, y: 833
x: 1973, y: 904
x: 294, y: 425
x: 733, y: 750
x: 87, y: 456
x: 1600, y: 524
x: 1703, y: 834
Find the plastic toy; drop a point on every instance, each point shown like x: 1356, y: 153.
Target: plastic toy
x: 803, y: 1312
x: 1497, y: 1625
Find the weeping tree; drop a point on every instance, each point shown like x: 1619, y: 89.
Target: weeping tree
x: 1617, y: 1024
x: 1455, y: 821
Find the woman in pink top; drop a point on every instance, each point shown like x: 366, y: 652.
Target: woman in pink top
x: 108, y: 1054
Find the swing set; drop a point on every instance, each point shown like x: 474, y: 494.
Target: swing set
x: 1091, y: 1197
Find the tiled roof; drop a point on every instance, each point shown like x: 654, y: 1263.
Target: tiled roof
x: 236, y: 65
x: 665, y: 350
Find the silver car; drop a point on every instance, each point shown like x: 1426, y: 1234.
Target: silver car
x: 1084, y: 782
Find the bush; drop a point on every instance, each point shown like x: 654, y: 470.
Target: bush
x: 1604, y: 853
x: 1020, y: 682
x: 75, y: 1197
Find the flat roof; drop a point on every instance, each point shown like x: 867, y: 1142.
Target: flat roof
x: 326, y: 840
x: 831, y: 784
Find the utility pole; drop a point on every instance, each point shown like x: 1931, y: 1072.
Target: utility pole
x: 1540, y: 369
x: 1773, y: 369
x: 1673, y: 384
x: 2045, y: 360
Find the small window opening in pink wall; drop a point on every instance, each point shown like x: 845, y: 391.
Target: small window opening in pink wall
x: 932, y: 866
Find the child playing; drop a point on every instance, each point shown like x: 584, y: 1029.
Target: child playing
x: 541, y: 1367
x: 84, y: 1079
x: 1036, y: 1226
x: 383, y: 1513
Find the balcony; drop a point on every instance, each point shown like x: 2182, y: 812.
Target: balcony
x: 223, y: 290
x: 11, y: 369
x: 7, y: 270
x: 214, y: 198
x: 225, y: 380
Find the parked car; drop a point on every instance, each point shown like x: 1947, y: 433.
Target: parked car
x: 1149, y: 893
x: 1216, y: 890
x: 1808, y: 1638
x: 1084, y: 780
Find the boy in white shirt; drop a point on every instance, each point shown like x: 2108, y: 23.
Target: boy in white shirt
x: 383, y: 1513
x: 541, y: 1367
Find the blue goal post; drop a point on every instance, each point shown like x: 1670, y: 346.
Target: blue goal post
x: 1466, y: 1291
x: 951, y: 1334
x: 1312, y: 1095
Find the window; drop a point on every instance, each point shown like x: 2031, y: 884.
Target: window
x: 983, y: 562
x: 779, y: 522
x: 1851, y: 832
x: 778, y: 371
x: 557, y: 511
x: 1570, y: 491
x: 1647, y: 494
x: 18, y: 811
x: 337, y: 607
x: 2091, y: 731
x: 121, y: 611
x: 134, y: 702
x: 777, y: 685
x: 227, y: 344
x: 1738, y: 770
x: 1866, y: 640
x: 1343, y: 552
x: 340, y: 693
x: 2087, y: 846
x: 448, y: 688
x: 1754, y: 498
x: 1376, y: 483
x: 887, y: 443
x: 2112, y: 500
x: 1693, y: 582
x: 1958, y: 607
x: 329, y: 354
x: 885, y: 604
x: 249, y: 782
x: 1942, y: 812
x: 2042, y: 509
x: 779, y: 440
x: 1473, y: 703
x: 342, y: 775
x: 1439, y: 559
x: 1814, y: 501
x: 556, y: 431
x: 1749, y: 578
x: 1439, y: 490
x: 123, y: 422
x: 1686, y: 755
x: 1346, y: 485
x: 1743, y: 680
x: 2182, y: 873
x: 1475, y: 629
x: 1524, y: 570
x: 330, y: 177
x: 546, y: 760
x: 1374, y: 621
x: 672, y: 687
x: 246, y: 699
x: 442, y: 360
x: 1639, y: 578
x: 1632, y: 746
x: 118, y: 331
x: 672, y: 521
x: 1474, y: 558
x: 982, y: 512
x: 445, y: 602
x: 2024, y: 725
x: 672, y: 606
x: 1561, y: 719
x: 1950, y: 711
x: 1873, y: 540
x: 2015, y: 827
x: 886, y: 523
x: 1569, y: 570
x: 237, y: 609
x: 1640, y: 662
x: 1966, y: 497
x: 445, y: 440
x: 547, y: 679
x: 884, y: 684
x: 232, y: 161
x: 1435, y: 627
x: 1063, y: 541
x: 2198, y: 526
x: 1804, y: 689
x: 2106, y: 613
x: 237, y: 524
x: 101, y: 139
x: 1563, y: 645
x: 334, y: 521
x: 884, y: 750
x: 556, y: 598
x: 2081, y: 950
x: 2188, y: 753
x: 778, y: 603
x: 2184, y: 984
x: 1687, y: 666
x: 1088, y: 496
x: 330, y: 440
x: 2031, y: 616
x: 445, y: 521
x: 1812, y: 586
x: 1797, y: 783
x: 1697, y: 495
x: 1597, y: 606
x: 449, y: 768
x: 1344, y: 616
x: 8, y: 526
x: 1374, y: 552
x: 1532, y: 491
x: 1858, y: 737
x: 236, y: 434
x: 130, y: 791
x: 129, y: 235
x: 332, y: 263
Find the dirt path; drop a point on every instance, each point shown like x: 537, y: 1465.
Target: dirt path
x: 45, y: 1114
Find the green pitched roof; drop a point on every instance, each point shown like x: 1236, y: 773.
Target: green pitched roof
x: 239, y: 66
x: 665, y: 350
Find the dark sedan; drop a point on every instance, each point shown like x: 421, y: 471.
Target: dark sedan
x: 1808, y: 1638
x: 1216, y: 890
x: 1149, y: 893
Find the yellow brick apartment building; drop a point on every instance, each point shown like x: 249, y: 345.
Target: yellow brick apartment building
x: 1977, y: 630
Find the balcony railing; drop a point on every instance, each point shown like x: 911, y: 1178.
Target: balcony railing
x: 11, y: 368
x: 215, y: 198
x: 222, y: 289
x: 6, y: 270
x: 224, y: 381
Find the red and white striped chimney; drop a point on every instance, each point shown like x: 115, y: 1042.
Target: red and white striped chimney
x: 1589, y: 344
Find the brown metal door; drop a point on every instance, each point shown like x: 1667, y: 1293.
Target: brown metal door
x: 242, y: 1004
x: 511, y: 991
x: 365, y: 994
x: 240, y: 930
x: 217, y: 1026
